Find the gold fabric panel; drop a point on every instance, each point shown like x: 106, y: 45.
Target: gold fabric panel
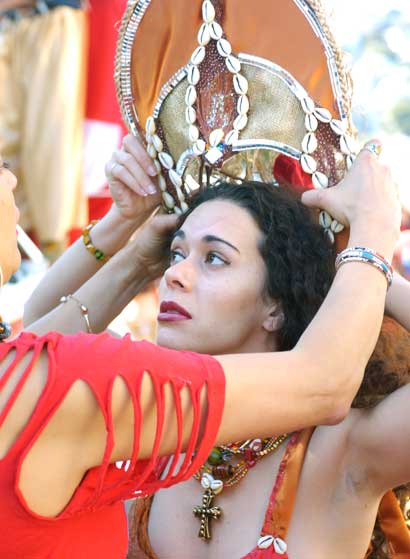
x: 275, y: 113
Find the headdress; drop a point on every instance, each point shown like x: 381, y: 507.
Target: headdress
x: 205, y: 81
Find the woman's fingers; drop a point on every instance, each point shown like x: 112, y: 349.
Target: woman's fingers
x: 134, y: 147
x: 129, y: 171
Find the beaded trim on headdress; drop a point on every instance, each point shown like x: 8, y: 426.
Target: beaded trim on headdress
x: 320, y: 141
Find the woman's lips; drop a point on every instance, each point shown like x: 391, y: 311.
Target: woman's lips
x: 172, y: 312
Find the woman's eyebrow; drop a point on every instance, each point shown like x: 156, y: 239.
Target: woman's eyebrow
x: 213, y: 238
x: 180, y: 234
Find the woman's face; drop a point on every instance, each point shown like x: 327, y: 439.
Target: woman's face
x: 212, y: 295
x: 9, y: 215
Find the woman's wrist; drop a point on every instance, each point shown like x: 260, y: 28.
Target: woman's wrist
x: 378, y: 236
x: 130, y: 271
x: 114, y: 231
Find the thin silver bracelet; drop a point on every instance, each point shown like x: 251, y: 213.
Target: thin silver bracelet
x: 84, y: 310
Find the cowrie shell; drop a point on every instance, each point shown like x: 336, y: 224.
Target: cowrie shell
x: 162, y: 183
x: 309, y: 164
x: 243, y: 105
x: 309, y: 143
x: 336, y: 227
x: 350, y: 159
x: 157, y: 165
x: 190, y: 115
x: 215, y: 30
x: 280, y: 546
x: 311, y: 123
x: 199, y: 147
x: 175, y: 178
x: 208, y: 11
x: 180, y: 194
x: 216, y: 137
x: 193, y: 75
x: 265, y: 542
x: 330, y: 235
x: 224, y: 47
x: 233, y: 64
x: 347, y: 145
x: 217, y: 486
x: 198, y: 55
x: 320, y: 180
x: 322, y: 114
x: 240, y: 84
x: 152, y: 152
x: 204, y: 35
x: 190, y: 95
x: 166, y: 160
x: 206, y: 481
x: 177, y: 210
x: 339, y: 127
x: 240, y: 122
x: 193, y: 133
x: 232, y: 137
x: 325, y: 220
x: 150, y: 127
x: 158, y: 145
x: 184, y: 207
x: 169, y: 201
x: 308, y: 105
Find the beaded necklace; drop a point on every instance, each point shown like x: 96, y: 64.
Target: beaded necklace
x: 227, y: 466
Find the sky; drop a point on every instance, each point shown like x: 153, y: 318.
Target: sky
x: 377, y: 86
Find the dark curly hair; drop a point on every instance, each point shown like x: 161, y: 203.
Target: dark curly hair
x: 299, y: 260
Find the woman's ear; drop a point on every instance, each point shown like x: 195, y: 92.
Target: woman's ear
x: 274, y: 319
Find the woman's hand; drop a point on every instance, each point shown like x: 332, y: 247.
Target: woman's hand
x: 151, y: 243
x: 131, y: 177
x: 366, y: 197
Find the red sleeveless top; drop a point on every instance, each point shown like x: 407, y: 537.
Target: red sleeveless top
x: 93, y: 524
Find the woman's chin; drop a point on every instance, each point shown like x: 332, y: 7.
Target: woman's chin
x: 172, y: 338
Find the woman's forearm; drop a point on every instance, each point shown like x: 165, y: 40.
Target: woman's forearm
x: 318, y: 380
x: 105, y: 295
x: 398, y: 301
x: 77, y: 265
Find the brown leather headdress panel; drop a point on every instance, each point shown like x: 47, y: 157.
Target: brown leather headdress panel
x: 208, y: 82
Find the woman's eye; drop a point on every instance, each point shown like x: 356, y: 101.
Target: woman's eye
x: 4, y: 164
x: 215, y: 258
x: 175, y: 256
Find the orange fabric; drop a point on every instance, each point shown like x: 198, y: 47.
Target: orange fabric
x: 283, y: 498
x: 276, y: 31
x: 394, y: 528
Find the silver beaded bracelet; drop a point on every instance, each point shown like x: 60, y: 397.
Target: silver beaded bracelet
x: 368, y: 256
x: 83, y: 309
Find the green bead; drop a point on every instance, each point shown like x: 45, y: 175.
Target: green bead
x: 99, y: 255
x: 215, y: 458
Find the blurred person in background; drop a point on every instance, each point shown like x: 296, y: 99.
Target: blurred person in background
x: 42, y: 101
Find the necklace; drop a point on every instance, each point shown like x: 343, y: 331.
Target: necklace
x: 226, y: 466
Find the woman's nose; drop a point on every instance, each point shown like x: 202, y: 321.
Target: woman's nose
x: 180, y: 275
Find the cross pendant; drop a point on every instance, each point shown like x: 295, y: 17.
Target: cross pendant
x: 206, y: 512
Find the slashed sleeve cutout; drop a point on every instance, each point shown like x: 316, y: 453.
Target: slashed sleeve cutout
x: 100, y: 360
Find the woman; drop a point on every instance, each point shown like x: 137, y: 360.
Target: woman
x: 67, y: 417
x: 347, y: 468
x: 230, y: 299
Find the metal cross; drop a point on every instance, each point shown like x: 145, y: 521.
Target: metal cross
x: 206, y: 513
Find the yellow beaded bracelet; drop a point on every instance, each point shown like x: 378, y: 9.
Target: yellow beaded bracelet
x: 96, y: 252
